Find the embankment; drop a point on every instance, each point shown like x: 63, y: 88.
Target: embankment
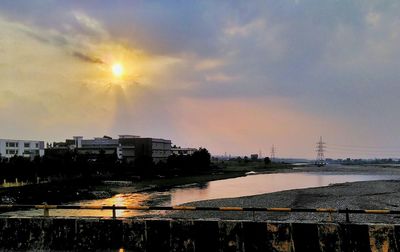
x: 193, y: 235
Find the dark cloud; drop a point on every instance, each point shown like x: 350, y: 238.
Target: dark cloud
x: 57, y: 40
x: 87, y: 58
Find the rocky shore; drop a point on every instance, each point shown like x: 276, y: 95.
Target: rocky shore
x: 357, y: 195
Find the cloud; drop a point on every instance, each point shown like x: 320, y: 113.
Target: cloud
x: 89, y: 25
x: 87, y: 58
x: 209, y: 64
x: 219, y: 77
x: 244, y: 30
x: 50, y: 92
x: 336, y: 61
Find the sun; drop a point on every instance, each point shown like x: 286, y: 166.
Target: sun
x: 117, y: 70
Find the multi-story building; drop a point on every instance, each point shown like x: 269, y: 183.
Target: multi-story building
x: 25, y: 148
x: 126, y: 147
x: 182, y: 151
x: 156, y: 148
x: 93, y: 147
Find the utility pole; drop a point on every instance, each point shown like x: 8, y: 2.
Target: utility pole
x: 260, y: 154
x: 320, y: 153
x: 272, y: 153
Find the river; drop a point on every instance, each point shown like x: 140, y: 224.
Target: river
x: 226, y: 188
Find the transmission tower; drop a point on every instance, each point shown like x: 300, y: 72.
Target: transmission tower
x: 320, y: 153
x: 272, y: 153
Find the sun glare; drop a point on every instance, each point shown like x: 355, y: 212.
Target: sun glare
x: 117, y: 70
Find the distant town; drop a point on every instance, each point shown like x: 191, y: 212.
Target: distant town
x: 126, y: 157
x: 125, y: 148
x: 128, y: 148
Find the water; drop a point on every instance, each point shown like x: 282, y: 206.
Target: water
x: 227, y: 188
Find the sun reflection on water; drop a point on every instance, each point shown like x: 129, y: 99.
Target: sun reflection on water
x: 133, y: 199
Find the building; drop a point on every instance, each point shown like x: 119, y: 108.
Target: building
x: 126, y: 147
x: 24, y: 148
x: 156, y: 148
x: 182, y: 151
x: 93, y: 147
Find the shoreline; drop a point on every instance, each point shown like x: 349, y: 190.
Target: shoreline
x: 379, y: 194
x: 63, y: 192
x: 333, y: 196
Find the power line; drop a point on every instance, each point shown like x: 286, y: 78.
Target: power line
x: 364, y: 147
x: 330, y: 149
x: 272, y: 153
x: 320, y: 153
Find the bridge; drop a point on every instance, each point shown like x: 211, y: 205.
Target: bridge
x: 141, y: 234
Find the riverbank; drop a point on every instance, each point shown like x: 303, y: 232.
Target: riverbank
x: 355, y: 195
x: 217, y: 174
x: 59, y: 192
x: 66, y: 191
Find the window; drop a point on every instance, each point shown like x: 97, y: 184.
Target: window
x: 27, y: 145
x: 37, y: 145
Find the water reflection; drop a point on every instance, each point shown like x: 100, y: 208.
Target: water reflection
x: 263, y: 183
x: 128, y: 199
x: 137, y: 199
x: 227, y: 188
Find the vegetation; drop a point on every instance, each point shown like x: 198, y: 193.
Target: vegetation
x: 88, y: 168
x: 244, y: 164
x: 71, y: 164
x: 75, y: 175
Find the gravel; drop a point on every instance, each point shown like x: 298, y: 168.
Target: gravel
x: 356, y: 195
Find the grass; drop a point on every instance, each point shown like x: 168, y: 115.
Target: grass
x: 257, y: 166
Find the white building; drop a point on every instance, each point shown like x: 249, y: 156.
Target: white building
x: 25, y: 148
x: 183, y: 151
x: 127, y: 147
x: 122, y: 147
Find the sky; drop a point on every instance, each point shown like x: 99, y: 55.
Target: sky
x: 234, y: 77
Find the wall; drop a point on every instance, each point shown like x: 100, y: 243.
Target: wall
x: 188, y: 235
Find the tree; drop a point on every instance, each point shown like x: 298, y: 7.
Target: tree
x: 144, y: 166
x: 267, y: 161
x: 201, y: 159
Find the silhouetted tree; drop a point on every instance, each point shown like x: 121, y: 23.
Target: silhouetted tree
x: 144, y: 166
x: 201, y: 159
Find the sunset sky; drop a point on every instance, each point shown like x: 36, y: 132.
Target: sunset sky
x: 231, y: 76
